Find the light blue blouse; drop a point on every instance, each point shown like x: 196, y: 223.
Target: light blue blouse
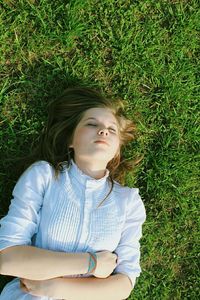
x: 64, y: 215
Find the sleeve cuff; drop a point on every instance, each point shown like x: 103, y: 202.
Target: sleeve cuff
x: 132, y: 278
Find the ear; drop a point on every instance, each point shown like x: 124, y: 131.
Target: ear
x: 70, y: 145
x: 70, y: 141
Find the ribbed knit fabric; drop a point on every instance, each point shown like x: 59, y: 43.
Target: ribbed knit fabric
x: 63, y: 215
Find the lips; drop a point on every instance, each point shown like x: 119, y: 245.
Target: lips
x: 101, y: 142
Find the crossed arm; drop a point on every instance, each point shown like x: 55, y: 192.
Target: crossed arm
x: 114, y: 287
x: 37, y: 269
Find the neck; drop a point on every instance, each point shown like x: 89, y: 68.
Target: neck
x: 93, y: 169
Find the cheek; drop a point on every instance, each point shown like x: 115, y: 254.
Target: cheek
x: 81, y: 136
x: 115, y: 146
x: 117, y: 142
x: 84, y: 133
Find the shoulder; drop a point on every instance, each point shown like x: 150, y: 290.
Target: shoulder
x: 125, y: 190
x: 40, y: 170
x: 132, y: 198
x: 34, y: 180
x: 42, y: 166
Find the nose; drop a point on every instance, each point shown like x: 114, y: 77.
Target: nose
x: 103, y: 131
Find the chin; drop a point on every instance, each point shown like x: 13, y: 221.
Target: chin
x: 98, y: 158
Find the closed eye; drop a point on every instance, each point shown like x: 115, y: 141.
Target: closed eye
x: 91, y: 124
x: 113, y: 129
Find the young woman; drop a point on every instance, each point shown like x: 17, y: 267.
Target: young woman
x: 72, y: 231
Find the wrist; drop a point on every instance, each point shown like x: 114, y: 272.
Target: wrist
x: 75, y: 262
x: 85, y: 262
x: 92, y: 262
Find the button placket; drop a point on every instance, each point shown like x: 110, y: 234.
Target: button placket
x: 87, y: 207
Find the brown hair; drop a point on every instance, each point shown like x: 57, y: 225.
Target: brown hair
x: 64, y: 114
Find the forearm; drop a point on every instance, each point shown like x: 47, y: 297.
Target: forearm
x: 40, y: 264
x: 114, y: 287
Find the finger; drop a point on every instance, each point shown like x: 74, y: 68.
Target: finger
x: 21, y: 283
x: 115, y: 257
x: 23, y: 287
x: 25, y: 283
x: 23, y: 280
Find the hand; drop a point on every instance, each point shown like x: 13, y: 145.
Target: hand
x: 106, y: 263
x: 38, y: 287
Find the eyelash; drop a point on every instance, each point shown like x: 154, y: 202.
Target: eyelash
x: 113, y: 130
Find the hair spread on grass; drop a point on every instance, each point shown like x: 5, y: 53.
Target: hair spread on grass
x: 64, y: 114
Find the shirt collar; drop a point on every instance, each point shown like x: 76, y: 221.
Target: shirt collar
x: 84, y: 178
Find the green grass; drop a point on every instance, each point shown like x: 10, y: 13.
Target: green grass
x: 146, y: 52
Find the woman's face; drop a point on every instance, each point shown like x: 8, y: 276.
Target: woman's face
x: 96, y: 137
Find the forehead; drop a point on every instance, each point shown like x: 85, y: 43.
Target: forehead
x: 99, y: 113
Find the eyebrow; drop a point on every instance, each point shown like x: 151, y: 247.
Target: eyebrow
x: 97, y: 120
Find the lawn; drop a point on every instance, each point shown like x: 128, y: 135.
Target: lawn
x: 144, y: 52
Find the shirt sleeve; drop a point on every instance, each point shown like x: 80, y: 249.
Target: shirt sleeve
x: 128, y: 249
x: 22, y: 219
